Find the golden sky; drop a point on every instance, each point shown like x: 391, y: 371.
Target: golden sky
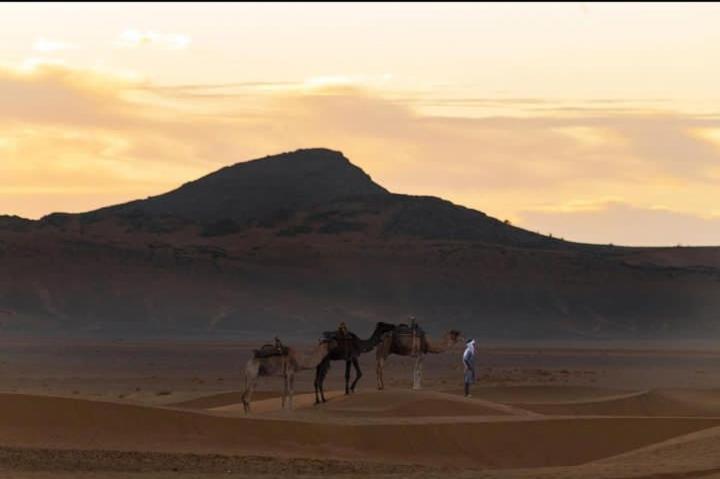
x: 594, y: 122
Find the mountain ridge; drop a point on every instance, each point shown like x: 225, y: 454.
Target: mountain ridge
x: 314, y: 182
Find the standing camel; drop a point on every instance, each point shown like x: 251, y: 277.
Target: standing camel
x: 274, y: 360
x: 403, y: 342
x: 346, y: 347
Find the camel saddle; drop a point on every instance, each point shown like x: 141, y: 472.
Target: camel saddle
x: 405, y: 330
x: 402, y: 329
x: 269, y: 350
x: 334, y: 335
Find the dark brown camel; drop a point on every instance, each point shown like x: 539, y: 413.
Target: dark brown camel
x: 346, y: 347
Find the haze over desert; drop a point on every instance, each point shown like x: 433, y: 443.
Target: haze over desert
x: 350, y: 240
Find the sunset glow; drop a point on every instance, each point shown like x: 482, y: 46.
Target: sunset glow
x: 572, y: 119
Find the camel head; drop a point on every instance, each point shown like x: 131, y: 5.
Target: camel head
x: 453, y: 336
x: 382, y: 328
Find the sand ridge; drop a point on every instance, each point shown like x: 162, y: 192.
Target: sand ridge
x: 655, y: 403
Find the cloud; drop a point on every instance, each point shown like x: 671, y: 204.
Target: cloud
x: 32, y: 63
x: 220, y: 90
x: 48, y: 46
x: 165, y: 41
x: 339, y: 81
x: 622, y: 223
x: 54, y: 94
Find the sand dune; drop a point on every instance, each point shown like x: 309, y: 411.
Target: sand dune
x: 537, y: 394
x: 273, y: 403
x: 697, y: 450
x: 222, y: 399
x: 50, y: 422
x: 386, y: 404
x: 671, y: 402
x: 536, y: 430
x: 406, y: 403
x: 389, y: 403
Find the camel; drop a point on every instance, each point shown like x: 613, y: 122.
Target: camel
x: 346, y: 348
x: 283, y: 361
x: 402, y: 342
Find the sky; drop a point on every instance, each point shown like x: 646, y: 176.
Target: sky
x: 592, y: 122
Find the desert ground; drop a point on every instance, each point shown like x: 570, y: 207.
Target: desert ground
x: 170, y: 409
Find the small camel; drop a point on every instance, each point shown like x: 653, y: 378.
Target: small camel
x: 402, y: 342
x: 281, y: 361
x: 346, y: 347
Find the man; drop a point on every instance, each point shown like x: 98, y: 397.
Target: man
x: 469, y: 363
x: 342, y: 330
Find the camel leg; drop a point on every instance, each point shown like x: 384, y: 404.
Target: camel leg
x: 417, y: 372
x: 379, y: 372
x: 318, y: 371
x: 291, y: 389
x: 285, y: 390
x: 251, y: 375
x: 358, y: 373
x: 325, y: 369
x: 253, y: 385
x: 381, y: 354
x: 347, y: 377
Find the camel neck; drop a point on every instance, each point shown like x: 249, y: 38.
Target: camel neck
x: 439, y: 346
x: 369, y: 344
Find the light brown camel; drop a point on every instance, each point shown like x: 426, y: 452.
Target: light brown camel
x: 403, y: 342
x: 281, y: 361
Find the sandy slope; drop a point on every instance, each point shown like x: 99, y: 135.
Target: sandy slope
x: 537, y: 394
x: 404, y: 403
x: 50, y: 422
x: 674, y: 402
x: 561, y: 416
x: 700, y: 450
x: 222, y: 399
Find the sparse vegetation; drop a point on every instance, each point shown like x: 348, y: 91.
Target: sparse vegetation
x: 221, y: 227
x: 295, y: 230
x: 339, y: 226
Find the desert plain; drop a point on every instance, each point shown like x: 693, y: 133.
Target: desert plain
x: 88, y: 408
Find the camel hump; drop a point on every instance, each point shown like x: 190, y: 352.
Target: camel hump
x: 269, y: 350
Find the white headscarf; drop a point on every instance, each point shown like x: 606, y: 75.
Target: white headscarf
x: 469, y: 353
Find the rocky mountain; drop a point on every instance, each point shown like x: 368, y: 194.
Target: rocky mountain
x: 294, y: 243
